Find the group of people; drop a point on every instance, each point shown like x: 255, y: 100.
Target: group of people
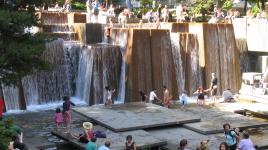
x: 90, y: 137
x: 153, y: 98
x: 64, y: 117
x: 227, y: 17
x: 234, y: 140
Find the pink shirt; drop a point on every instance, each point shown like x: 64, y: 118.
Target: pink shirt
x: 58, y: 117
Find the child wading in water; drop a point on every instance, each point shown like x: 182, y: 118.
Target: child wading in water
x: 58, y: 118
x: 67, y: 114
x: 109, y: 97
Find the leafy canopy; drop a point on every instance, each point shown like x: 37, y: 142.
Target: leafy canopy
x: 20, y: 50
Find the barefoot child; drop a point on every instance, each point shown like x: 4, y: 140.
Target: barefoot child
x: 58, y: 118
x: 67, y: 115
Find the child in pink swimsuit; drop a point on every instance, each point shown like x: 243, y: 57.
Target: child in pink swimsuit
x: 58, y: 118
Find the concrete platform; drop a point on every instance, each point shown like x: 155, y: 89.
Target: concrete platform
x: 215, y: 126
x: 175, y: 134
x: 134, y: 116
x: 142, y: 139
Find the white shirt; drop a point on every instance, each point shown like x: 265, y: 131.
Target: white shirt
x: 152, y: 96
x: 109, y: 95
x: 227, y: 95
x: 103, y: 148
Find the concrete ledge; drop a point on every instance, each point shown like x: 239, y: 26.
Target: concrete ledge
x: 209, y: 127
x: 142, y: 139
x: 134, y: 116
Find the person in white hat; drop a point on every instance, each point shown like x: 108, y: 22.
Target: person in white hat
x: 88, y: 130
x: 88, y: 133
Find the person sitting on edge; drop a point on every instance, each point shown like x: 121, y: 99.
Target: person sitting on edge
x: 227, y: 95
x: 130, y: 144
x: 153, y: 97
x: 87, y: 135
x: 106, y: 146
x: 91, y: 145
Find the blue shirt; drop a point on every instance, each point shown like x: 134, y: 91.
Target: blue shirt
x: 91, y: 146
x: 230, y: 138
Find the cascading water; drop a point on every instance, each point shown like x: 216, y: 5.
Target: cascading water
x: 45, y: 86
x: 177, y: 57
x: 187, y: 61
x: 84, y: 75
x: 11, y: 97
x: 99, y: 66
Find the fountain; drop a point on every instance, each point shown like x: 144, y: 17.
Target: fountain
x: 180, y: 56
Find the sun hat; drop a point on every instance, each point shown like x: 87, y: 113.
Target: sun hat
x: 87, y: 125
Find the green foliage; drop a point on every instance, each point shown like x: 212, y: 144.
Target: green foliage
x: 20, y: 50
x: 227, y: 5
x: 5, y: 133
x: 202, y: 7
x: 79, y: 6
x: 255, y: 10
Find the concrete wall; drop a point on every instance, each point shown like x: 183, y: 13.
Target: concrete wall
x: 149, y: 63
x: 89, y: 33
x: 255, y: 31
x: 217, y: 52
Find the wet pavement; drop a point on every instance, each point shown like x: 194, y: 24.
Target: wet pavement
x: 37, y: 127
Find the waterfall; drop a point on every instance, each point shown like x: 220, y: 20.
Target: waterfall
x: 44, y: 87
x: 84, y: 75
x: 71, y: 54
x: 99, y: 66
x: 177, y: 57
x: 11, y: 97
x: 122, y: 85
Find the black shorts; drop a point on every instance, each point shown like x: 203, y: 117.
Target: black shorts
x: 214, y: 92
x: 233, y: 147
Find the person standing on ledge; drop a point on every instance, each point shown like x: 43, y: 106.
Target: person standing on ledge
x: 95, y: 10
x: 213, y: 87
x: 67, y: 6
x: 89, y: 10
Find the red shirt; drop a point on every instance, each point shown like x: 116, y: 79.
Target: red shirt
x: 1, y: 107
x: 90, y: 134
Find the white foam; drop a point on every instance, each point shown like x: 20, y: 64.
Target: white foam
x: 48, y: 106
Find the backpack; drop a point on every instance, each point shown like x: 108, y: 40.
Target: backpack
x: 229, y: 133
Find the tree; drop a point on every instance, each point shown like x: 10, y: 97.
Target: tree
x: 20, y: 50
x: 202, y: 7
x: 5, y: 133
